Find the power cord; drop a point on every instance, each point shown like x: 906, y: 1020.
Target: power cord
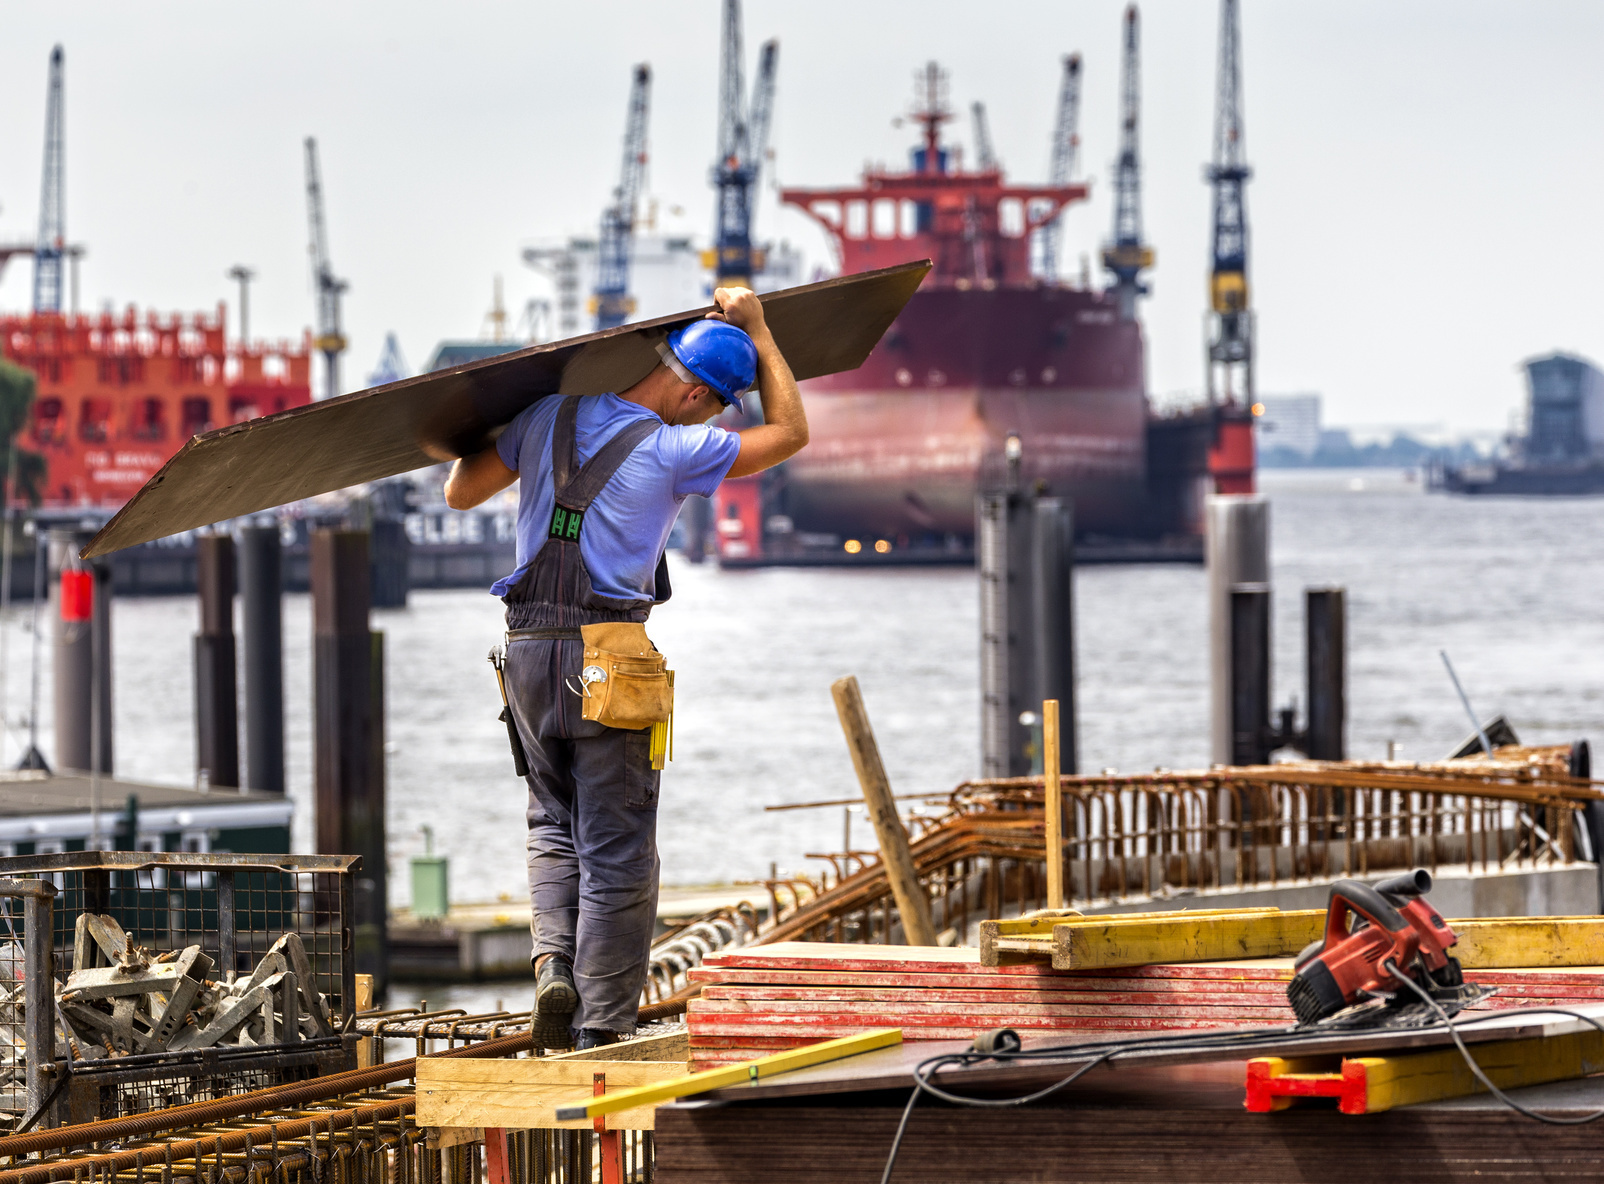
x: 1003, y: 1045
x: 1391, y: 966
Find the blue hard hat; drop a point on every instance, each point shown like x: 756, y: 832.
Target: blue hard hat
x: 714, y: 352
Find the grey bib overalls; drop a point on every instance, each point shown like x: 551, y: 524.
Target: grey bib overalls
x: 592, y: 842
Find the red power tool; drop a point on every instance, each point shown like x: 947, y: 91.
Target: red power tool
x: 1370, y: 932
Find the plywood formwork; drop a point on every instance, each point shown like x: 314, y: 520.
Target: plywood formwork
x: 762, y: 999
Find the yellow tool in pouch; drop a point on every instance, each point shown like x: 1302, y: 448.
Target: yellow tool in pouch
x: 627, y: 683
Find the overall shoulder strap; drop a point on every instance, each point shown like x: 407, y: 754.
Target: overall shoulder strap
x: 565, y: 443
x: 582, y: 487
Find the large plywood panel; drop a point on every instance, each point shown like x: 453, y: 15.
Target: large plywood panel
x: 242, y: 469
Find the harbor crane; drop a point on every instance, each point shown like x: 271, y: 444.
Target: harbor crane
x: 1066, y: 149
x: 985, y: 155
x: 1229, y: 359
x: 1127, y: 255
x: 743, y: 136
x: 613, y: 301
x: 51, y: 246
x: 330, y: 341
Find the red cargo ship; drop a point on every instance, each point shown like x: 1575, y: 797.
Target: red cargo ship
x: 118, y: 394
x: 984, y: 350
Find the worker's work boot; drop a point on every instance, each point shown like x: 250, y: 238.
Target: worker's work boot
x: 596, y: 1038
x: 555, y: 1000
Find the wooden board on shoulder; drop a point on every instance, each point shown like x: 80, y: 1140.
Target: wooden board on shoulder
x: 247, y: 467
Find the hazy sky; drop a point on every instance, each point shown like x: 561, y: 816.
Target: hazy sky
x: 1423, y: 210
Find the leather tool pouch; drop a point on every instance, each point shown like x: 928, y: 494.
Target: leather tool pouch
x: 627, y: 682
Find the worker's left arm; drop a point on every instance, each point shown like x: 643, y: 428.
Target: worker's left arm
x: 477, y: 477
x: 784, y: 430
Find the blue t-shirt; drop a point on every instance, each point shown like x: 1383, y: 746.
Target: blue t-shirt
x: 626, y: 527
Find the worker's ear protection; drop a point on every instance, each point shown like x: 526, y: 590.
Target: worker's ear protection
x: 997, y: 1042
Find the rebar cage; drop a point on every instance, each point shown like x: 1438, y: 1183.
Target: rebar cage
x: 1141, y: 837
x: 234, y: 906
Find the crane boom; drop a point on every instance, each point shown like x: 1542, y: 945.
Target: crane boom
x: 731, y: 88
x: 985, y: 156
x: 1230, y: 349
x: 330, y: 340
x: 757, y: 133
x: 1065, y: 151
x: 1126, y: 256
x: 742, y: 142
x: 613, y: 302
x: 50, y: 247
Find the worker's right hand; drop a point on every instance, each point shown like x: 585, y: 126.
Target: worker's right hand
x: 741, y: 308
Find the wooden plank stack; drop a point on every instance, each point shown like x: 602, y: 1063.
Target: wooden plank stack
x: 762, y: 999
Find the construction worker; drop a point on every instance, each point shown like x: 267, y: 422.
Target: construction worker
x: 619, y: 466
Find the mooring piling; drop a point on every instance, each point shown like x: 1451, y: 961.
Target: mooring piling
x: 80, y: 600
x: 1241, y: 653
x: 261, y: 572
x: 1326, y: 633
x: 348, y: 694
x: 1237, y: 546
x: 1024, y: 549
x: 216, y: 664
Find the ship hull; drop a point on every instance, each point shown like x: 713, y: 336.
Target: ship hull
x: 901, y: 446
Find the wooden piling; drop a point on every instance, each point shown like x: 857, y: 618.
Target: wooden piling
x: 913, y: 905
x: 1051, y: 770
x: 216, y: 664
x: 348, y: 771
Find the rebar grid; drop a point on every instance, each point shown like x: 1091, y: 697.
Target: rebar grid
x: 365, y: 1138
x: 1130, y: 837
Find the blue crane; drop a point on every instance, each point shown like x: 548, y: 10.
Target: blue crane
x: 51, y: 245
x: 1126, y: 256
x: 1066, y: 147
x: 330, y: 340
x: 613, y: 302
x: 743, y: 136
x: 1230, y: 347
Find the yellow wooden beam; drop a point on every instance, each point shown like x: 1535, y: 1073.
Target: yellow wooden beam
x: 696, y: 1083
x: 1493, y: 943
x: 1203, y: 935
x: 1219, y: 938
x: 1370, y: 1085
x: 1042, y: 923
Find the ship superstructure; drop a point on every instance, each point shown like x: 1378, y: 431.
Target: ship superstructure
x: 119, y: 393
x: 984, y: 350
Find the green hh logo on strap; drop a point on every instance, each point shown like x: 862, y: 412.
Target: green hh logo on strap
x: 565, y: 523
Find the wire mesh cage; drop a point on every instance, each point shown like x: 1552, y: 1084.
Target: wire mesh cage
x: 239, y: 910
x: 26, y: 990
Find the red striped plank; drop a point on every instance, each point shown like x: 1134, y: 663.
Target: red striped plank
x: 848, y: 1023
x: 739, y: 1007
x: 827, y: 956
x: 985, y: 980
x: 869, y: 995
